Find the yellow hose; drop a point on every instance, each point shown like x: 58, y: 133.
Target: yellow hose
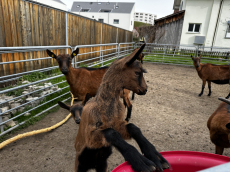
x: 20, y: 136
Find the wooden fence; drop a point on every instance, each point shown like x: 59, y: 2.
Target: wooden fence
x: 23, y: 23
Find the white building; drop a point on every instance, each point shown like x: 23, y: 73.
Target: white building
x: 54, y: 3
x: 145, y: 17
x: 119, y: 14
x: 208, y: 18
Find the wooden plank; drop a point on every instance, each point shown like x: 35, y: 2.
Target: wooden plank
x: 8, y: 35
x: 29, y: 36
x: 2, y: 41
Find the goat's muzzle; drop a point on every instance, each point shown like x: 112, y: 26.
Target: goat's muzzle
x: 65, y: 71
x: 78, y: 121
x: 142, y: 92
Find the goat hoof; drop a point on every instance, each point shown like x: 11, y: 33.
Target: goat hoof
x: 200, y: 95
x: 209, y: 95
x: 227, y: 97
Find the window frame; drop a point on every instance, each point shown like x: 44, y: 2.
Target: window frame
x: 85, y: 9
x: 114, y: 21
x: 194, y: 24
x: 101, y: 21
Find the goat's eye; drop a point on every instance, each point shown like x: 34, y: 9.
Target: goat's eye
x: 137, y: 73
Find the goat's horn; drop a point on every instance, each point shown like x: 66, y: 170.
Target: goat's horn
x: 224, y: 100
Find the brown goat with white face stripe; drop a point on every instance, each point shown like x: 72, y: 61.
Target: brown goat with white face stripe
x: 219, y: 126
x: 218, y: 74
x: 103, y: 125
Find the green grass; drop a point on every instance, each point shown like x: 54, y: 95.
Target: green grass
x: 140, y: 24
x: 177, y: 59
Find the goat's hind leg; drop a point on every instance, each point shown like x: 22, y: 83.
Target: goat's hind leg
x: 147, y: 148
x: 130, y: 153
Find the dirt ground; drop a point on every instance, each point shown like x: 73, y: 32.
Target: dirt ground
x: 170, y: 115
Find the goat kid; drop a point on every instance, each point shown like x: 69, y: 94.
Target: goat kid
x: 219, y: 126
x: 85, y: 80
x: 103, y: 126
x: 76, y: 109
x: 218, y: 74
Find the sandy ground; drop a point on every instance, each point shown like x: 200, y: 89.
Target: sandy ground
x: 170, y: 115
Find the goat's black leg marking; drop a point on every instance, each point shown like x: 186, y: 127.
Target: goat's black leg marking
x: 102, y: 167
x: 133, y: 95
x: 129, y: 111
x: 202, y: 90
x: 142, y: 61
x: 209, y: 88
x: 124, y: 102
x: 147, y: 148
x: 130, y: 153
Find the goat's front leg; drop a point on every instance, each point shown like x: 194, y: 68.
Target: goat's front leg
x: 138, y: 162
x: 219, y: 150
x: 209, y: 87
x: 203, y: 86
x: 129, y: 108
x: 147, y: 148
x: 133, y: 95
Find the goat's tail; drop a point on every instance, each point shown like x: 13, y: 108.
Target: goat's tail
x: 224, y: 100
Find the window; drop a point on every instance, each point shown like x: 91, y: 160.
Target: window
x: 107, y: 3
x: 116, y: 21
x: 105, y: 11
x: 78, y: 6
x: 140, y: 19
x: 117, y: 6
x: 141, y: 16
x: 228, y: 30
x: 194, y: 28
x: 136, y: 16
x: 99, y: 3
x: 137, y: 13
x: 92, y: 16
x: 146, y: 14
x: 101, y: 20
x: 84, y: 10
x: 141, y: 13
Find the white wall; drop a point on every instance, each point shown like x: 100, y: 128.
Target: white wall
x: 53, y: 4
x: 206, y: 13
x: 124, y: 18
x: 220, y: 40
x: 196, y: 11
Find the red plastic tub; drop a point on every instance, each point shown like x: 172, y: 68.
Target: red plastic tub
x: 184, y: 161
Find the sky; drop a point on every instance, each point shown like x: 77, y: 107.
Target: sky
x: 159, y: 7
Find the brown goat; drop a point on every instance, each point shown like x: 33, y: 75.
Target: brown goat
x: 219, y: 126
x: 218, y: 74
x: 76, y: 109
x: 84, y: 80
x: 103, y: 126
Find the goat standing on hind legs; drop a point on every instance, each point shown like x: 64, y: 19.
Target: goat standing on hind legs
x: 218, y: 74
x: 84, y: 80
x: 103, y: 126
x: 219, y: 126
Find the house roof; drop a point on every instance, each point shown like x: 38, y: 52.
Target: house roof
x: 59, y: 1
x: 123, y: 7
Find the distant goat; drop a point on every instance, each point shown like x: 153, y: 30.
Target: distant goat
x: 103, y: 126
x: 83, y: 80
x: 218, y: 74
x: 76, y: 109
x: 219, y: 126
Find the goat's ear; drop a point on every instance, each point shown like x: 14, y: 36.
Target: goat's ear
x: 192, y: 57
x: 51, y: 54
x: 228, y: 126
x: 75, y: 52
x: 87, y: 97
x: 64, y: 106
x: 134, y: 55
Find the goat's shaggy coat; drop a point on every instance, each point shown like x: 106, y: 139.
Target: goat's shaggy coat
x: 103, y: 125
x: 219, y: 126
x: 218, y: 74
